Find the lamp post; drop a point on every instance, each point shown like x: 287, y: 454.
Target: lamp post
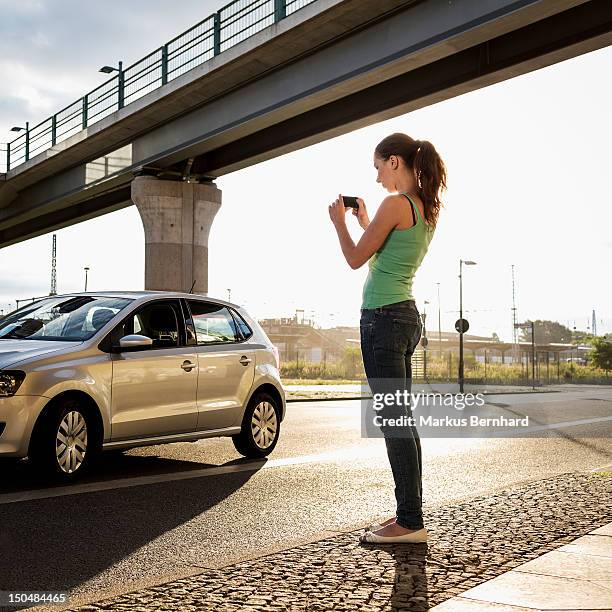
x: 86, y: 271
x: 18, y: 128
x: 572, y: 353
x: 530, y: 324
x: 439, y: 323
x: 461, y: 373
x: 424, y: 340
x: 121, y: 82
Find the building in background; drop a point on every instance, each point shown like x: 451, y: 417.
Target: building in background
x: 300, y: 341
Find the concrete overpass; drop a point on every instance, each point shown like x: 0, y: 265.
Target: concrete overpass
x: 328, y: 68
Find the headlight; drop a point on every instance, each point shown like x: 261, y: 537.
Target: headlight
x: 10, y: 382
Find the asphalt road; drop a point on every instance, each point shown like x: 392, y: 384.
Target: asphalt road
x: 164, y: 511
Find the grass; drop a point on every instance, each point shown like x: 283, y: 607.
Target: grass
x: 318, y: 381
x: 445, y: 370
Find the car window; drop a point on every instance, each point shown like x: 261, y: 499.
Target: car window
x: 62, y: 318
x: 213, y: 323
x: 97, y: 317
x: 157, y: 321
x: 245, y: 330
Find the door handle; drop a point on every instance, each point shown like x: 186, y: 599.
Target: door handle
x: 188, y: 366
x: 244, y: 360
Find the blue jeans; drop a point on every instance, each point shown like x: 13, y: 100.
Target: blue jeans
x: 389, y: 336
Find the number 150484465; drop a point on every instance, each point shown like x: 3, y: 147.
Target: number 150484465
x: 15, y: 598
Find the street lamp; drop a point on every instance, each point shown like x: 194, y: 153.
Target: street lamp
x: 121, y: 83
x: 86, y: 271
x: 18, y: 128
x: 461, y: 331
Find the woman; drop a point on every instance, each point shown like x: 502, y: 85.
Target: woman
x: 394, y: 244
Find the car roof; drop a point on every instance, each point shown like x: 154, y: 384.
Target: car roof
x: 135, y: 295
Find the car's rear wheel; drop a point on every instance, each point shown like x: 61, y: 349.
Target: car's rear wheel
x: 260, y: 427
x: 64, y: 443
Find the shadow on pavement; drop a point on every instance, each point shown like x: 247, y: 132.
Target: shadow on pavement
x: 59, y: 543
x: 409, y: 589
x: 20, y: 475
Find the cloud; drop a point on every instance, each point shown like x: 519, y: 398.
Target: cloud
x: 18, y: 289
x: 51, y: 51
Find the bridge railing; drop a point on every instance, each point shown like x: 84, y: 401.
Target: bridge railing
x: 220, y: 31
x: 3, y: 157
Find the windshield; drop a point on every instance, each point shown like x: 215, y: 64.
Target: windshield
x: 71, y: 318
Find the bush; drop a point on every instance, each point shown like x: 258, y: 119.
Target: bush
x: 350, y: 367
x: 446, y: 369
x: 601, y: 353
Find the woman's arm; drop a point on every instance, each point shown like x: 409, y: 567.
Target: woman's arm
x: 362, y: 214
x: 374, y: 236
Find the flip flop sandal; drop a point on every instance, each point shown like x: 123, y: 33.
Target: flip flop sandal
x: 414, y: 537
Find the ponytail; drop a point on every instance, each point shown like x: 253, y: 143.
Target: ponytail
x: 429, y: 169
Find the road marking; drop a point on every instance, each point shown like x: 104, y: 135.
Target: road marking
x: 250, y: 466
x: 355, y: 452
x: 563, y: 424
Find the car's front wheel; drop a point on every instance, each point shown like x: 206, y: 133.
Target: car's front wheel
x: 63, y: 443
x: 260, y: 427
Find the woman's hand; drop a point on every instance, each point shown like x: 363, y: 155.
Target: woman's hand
x: 337, y: 212
x: 362, y: 214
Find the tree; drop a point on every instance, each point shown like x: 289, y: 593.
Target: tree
x: 350, y: 360
x: 581, y: 337
x: 495, y: 337
x: 601, y: 353
x: 547, y: 332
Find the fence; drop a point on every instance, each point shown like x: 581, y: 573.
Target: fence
x: 550, y: 369
x: 220, y: 31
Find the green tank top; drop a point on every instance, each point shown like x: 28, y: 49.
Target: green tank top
x: 393, y: 266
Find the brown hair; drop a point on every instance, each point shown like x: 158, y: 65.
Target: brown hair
x: 422, y: 157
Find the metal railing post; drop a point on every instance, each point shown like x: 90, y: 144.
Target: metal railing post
x: 164, y: 64
x: 85, y: 105
x: 280, y: 9
x: 8, y: 156
x: 217, y: 34
x: 27, y: 143
x: 120, y: 86
x: 53, y: 130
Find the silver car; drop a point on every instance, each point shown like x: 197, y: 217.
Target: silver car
x: 90, y: 372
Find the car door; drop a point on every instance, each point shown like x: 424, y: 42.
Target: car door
x: 154, y: 388
x: 226, y: 365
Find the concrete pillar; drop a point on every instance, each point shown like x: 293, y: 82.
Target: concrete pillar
x: 177, y: 217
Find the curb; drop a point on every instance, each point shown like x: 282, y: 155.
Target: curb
x: 336, y: 399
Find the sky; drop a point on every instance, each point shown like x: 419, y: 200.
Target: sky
x: 528, y: 185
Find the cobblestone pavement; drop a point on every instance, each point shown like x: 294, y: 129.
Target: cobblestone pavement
x: 470, y: 542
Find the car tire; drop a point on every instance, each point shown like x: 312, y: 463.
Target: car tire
x: 64, y: 443
x: 260, y: 427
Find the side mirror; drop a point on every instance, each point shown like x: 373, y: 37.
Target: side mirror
x: 135, y: 341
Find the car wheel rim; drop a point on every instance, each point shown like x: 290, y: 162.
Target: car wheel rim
x: 264, y: 424
x: 71, y: 442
